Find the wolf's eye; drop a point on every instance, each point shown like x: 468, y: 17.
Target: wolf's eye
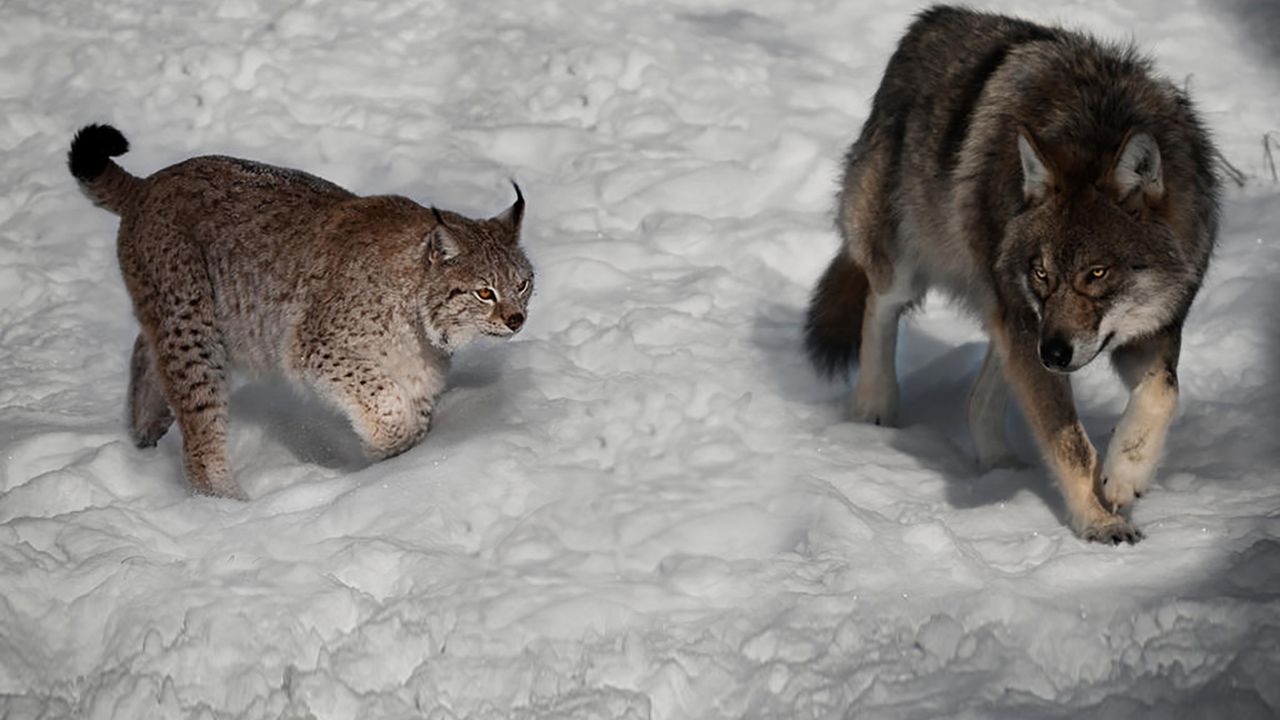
x: 1039, y: 273
x: 486, y: 294
x: 524, y: 287
x: 1098, y: 273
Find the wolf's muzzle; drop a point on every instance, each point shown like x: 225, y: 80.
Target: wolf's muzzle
x: 1056, y: 353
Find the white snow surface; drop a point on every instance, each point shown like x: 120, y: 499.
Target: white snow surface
x: 645, y: 505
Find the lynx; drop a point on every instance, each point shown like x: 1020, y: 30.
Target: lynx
x: 238, y: 265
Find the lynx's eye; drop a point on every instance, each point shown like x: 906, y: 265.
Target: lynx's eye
x: 486, y: 294
x: 523, y: 288
x: 1098, y: 273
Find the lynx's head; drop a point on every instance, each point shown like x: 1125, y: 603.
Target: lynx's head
x: 478, y: 279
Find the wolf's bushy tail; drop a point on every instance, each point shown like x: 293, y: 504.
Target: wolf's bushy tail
x: 105, y: 182
x: 833, y: 328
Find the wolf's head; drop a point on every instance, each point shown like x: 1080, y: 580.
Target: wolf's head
x: 478, y: 279
x: 1089, y: 255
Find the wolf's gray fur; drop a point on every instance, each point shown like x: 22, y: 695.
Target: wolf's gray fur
x: 1061, y: 191
x: 236, y: 264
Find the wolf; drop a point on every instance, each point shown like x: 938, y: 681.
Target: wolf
x: 237, y: 265
x: 1064, y: 194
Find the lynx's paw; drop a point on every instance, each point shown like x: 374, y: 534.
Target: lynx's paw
x: 391, y: 434
x: 1124, y: 478
x: 146, y: 435
x: 225, y: 488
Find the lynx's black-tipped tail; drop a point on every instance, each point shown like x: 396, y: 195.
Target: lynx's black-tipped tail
x: 92, y: 148
x: 89, y: 160
x: 833, y: 328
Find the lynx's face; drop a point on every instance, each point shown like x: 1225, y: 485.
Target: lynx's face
x: 478, y: 280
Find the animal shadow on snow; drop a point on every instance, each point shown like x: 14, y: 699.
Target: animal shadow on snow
x: 777, y: 334
x: 317, y: 434
x: 932, y: 426
x: 299, y: 421
x: 934, y: 380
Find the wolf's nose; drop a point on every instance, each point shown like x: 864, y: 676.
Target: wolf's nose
x: 1055, y: 353
x: 515, y: 321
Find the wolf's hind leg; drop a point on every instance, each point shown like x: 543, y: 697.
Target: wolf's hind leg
x: 149, y: 413
x: 1149, y: 369
x: 985, y: 414
x: 875, y: 394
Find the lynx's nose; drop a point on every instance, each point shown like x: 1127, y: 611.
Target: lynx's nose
x: 1055, y: 353
x: 515, y: 321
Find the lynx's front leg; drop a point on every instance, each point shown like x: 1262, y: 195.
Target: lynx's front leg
x: 1047, y: 403
x: 1149, y: 368
x: 390, y: 415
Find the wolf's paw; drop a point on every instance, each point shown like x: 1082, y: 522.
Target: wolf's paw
x: 875, y: 403
x: 1123, y: 479
x: 1112, y: 531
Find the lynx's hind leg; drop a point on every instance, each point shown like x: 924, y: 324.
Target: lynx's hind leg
x: 192, y: 363
x: 174, y: 299
x: 149, y: 413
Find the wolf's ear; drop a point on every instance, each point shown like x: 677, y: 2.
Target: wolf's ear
x: 441, y: 244
x: 1037, y: 178
x: 1138, y: 167
x: 512, y: 216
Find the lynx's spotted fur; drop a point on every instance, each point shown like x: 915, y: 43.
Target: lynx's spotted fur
x: 233, y: 264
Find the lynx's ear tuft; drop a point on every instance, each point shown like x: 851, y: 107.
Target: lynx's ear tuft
x: 441, y: 245
x: 512, y: 216
x: 1138, y: 168
x: 1037, y: 178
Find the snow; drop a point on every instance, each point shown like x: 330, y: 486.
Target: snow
x: 645, y: 505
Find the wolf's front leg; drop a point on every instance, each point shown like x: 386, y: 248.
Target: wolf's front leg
x: 1048, y: 405
x: 1149, y: 368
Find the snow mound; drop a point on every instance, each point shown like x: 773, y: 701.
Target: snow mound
x: 645, y: 505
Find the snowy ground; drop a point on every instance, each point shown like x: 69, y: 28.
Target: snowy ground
x: 645, y: 505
